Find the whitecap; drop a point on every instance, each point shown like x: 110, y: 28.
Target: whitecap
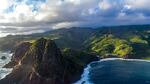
x: 4, y: 71
x: 109, y: 59
x: 85, y: 76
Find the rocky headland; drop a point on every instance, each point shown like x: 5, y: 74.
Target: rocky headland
x: 42, y: 62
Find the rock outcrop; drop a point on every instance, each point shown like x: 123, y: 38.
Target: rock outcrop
x: 41, y: 62
x: 3, y: 57
x: 19, y: 52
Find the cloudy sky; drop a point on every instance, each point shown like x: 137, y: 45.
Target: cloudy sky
x: 30, y: 16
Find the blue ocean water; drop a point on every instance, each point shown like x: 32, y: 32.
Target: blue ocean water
x: 116, y: 71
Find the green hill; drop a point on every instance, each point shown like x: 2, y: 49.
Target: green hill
x: 131, y: 41
x: 64, y: 38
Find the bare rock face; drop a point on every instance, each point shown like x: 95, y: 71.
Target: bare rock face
x: 41, y: 63
x: 3, y: 57
x: 19, y: 52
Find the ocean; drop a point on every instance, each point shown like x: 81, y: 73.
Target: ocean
x: 116, y: 71
x: 4, y: 71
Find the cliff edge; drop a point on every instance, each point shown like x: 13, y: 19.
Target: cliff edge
x: 42, y: 62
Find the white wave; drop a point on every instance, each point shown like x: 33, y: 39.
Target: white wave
x: 4, y: 71
x: 5, y: 61
x: 109, y: 59
x: 85, y: 76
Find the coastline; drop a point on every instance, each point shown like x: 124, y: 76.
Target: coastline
x: 5, y: 71
x: 84, y: 76
x: 79, y: 76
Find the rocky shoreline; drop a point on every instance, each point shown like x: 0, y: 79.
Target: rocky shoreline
x: 42, y: 62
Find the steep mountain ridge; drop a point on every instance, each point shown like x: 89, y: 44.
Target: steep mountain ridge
x: 41, y: 62
x: 64, y: 38
x: 123, y: 41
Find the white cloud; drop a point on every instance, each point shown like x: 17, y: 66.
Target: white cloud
x: 139, y: 4
x: 105, y: 5
x: 4, y: 4
x: 68, y: 13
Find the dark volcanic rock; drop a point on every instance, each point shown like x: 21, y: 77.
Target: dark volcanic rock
x: 3, y: 57
x: 41, y: 62
x: 76, y: 61
x: 19, y: 52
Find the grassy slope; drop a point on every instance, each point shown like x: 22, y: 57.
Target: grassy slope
x: 132, y: 41
x: 64, y: 38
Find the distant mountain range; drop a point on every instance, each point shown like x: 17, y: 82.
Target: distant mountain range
x: 131, y: 41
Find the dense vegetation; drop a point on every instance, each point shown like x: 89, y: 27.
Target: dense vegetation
x: 109, y: 44
x: 121, y: 41
x: 42, y: 62
x: 64, y: 38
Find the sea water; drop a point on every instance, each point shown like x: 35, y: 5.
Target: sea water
x: 116, y: 71
x: 4, y: 71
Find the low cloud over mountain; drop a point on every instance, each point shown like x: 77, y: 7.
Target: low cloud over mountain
x: 41, y: 15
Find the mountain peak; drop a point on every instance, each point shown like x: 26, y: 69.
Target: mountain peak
x: 43, y: 60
